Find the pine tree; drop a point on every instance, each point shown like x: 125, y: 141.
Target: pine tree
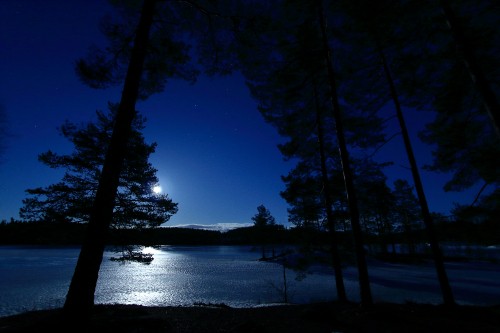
x: 71, y: 199
x: 147, y: 47
x: 80, y: 297
x: 364, y: 282
x: 282, y: 70
x: 375, y: 200
x: 263, y: 218
x: 463, y: 134
x: 302, y: 193
x: 382, y: 37
x: 467, y: 53
x: 406, y: 212
x: 264, y: 223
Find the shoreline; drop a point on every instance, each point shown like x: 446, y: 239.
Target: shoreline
x: 310, y: 318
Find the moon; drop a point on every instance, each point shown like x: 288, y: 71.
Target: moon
x: 157, y: 189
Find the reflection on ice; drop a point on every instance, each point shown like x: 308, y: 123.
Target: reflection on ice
x: 183, y: 275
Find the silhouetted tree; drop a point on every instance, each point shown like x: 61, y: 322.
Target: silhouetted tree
x: 263, y: 218
x: 381, y: 25
x: 375, y: 200
x: 406, y: 212
x: 80, y: 297
x: 142, y: 56
x: 341, y: 294
x: 71, y: 199
x: 436, y: 251
x: 466, y: 51
x: 364, y: 283
x: 302, y: 195
x: 485, y: 209
x: 464, y: 139
x: 290, y: 58
x: 294, y: 112
x: 264, y: 222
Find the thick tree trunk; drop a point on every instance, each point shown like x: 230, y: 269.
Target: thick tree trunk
x: 429, y: 225
x: 80, y: 297
x: 339, y: 280
x: 364, y: 282
x: 465, y: 51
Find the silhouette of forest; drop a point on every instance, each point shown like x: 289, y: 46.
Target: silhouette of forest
x: 52, y: 233
x: 328, y: 76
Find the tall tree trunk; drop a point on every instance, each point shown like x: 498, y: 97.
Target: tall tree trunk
x: 339, y: 280
x: 364, y: 281
x: 465, y: 51
x: 429, y: 225
x: 80, y: 297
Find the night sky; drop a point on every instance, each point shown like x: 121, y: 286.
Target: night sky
x: 216, y: 156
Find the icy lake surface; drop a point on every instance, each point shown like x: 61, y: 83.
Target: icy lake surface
x: 34, y: 278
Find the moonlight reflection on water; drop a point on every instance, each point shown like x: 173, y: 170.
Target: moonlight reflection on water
x: 35, y: 278
x: 186, y: 275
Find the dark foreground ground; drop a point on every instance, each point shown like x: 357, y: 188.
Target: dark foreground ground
x: 312, y: 318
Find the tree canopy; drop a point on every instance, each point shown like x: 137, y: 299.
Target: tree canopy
x: 71, y: 199
x: 323, y: 73
x: 263, y: 218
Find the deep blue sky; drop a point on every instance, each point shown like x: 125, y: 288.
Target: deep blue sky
x: 216, y: 156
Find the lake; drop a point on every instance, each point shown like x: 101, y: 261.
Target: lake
x: 34, y: 278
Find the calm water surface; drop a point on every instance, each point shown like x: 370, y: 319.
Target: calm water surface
x: 33, y: 278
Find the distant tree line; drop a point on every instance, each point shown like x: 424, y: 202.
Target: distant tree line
x: 57, y: 233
